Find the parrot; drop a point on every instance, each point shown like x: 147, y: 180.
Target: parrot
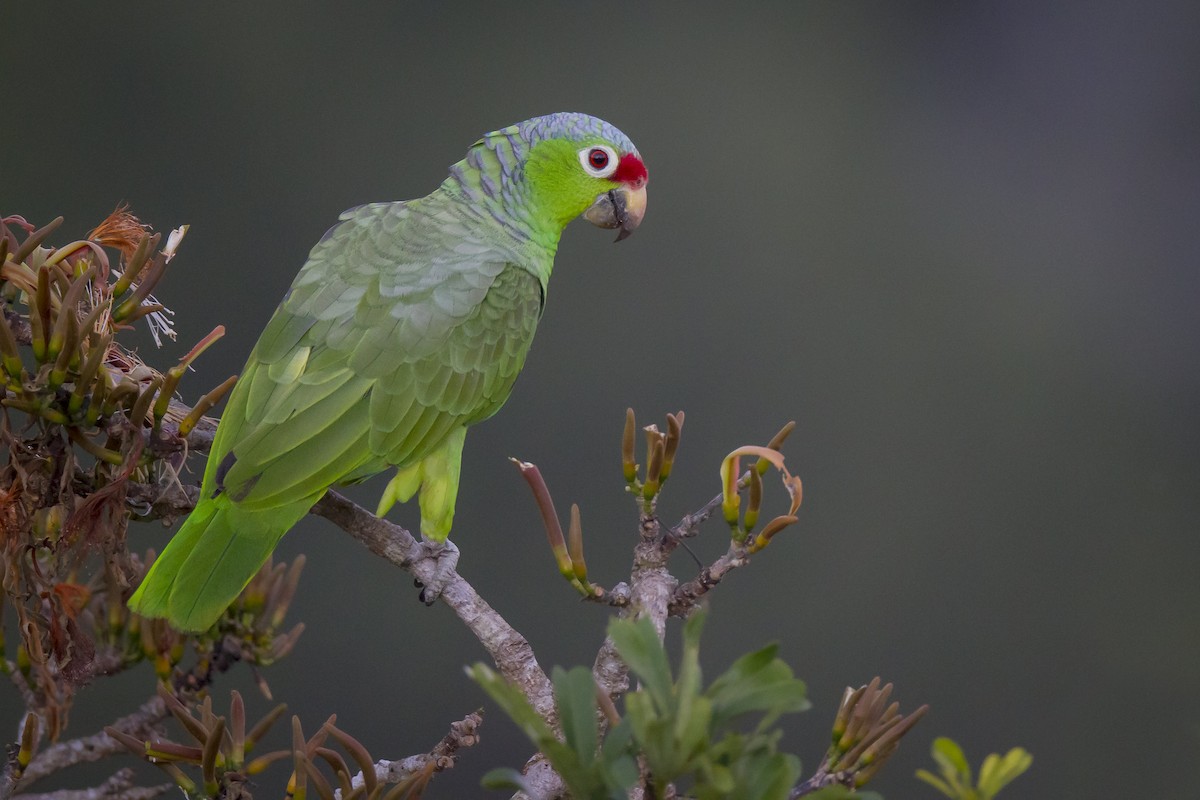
x: 408, y: 322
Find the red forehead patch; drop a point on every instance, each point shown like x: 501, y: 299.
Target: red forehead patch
x: 630, y: 169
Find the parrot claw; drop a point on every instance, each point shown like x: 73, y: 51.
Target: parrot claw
x: 440, y: 561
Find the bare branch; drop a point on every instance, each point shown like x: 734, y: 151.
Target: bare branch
x: 689, y: 524
x: 119, y: 785
x: 820, y: 781
x: 442, y: 757
x: 688, y: 594
x: 22, y: 685
x: 510, y: 651
x: 140, y: 723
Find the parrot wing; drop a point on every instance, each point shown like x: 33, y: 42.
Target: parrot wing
x: 401, y: 327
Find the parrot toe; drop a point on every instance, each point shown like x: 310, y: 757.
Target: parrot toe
x: 436, y: 570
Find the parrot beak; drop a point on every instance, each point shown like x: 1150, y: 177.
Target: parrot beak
x: 622, y: 207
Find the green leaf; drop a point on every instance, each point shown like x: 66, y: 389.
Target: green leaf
x: 575, y: 693
x: 513, y: 702
x: 687, y: 689
x: 987, y: 776
x: 720, y: 779
x: 638, y: 645
x: 618, y: 743
x: 953, y: 762
x: 654, y: 734
x: 997, y: 772
x: 937, y: 783
x: 757, y: 681
x: 768, y: 777
x: 692, y: 730
x: 619, y: 764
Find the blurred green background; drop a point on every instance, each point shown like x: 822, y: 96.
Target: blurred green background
x: 955, y: 241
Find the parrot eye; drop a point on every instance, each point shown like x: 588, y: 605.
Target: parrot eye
x: 599, y: 161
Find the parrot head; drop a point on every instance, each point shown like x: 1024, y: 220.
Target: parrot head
x: 572, y: 165
x: 624, y: 204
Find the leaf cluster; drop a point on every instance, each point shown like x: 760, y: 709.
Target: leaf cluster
x: 90, y: 437
x: 686, y: 734
x: 219, y: 746
x: 956, y: 781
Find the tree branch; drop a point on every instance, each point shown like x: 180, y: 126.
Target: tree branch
x: 166, y: 439
x: 140, y: 724
x: 690, y: 524
x: 510, y: 651
x: 148, y: 501
x: 819, y: 781
x: 685, y: 597
x: 442, y: 757
x: 119, y: 785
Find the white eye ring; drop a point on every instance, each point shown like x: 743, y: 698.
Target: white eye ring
x: 592, y: 153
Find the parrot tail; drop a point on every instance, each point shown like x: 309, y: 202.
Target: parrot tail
x: 212, y: 557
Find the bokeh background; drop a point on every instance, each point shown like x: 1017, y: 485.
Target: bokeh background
x: 955, y: 241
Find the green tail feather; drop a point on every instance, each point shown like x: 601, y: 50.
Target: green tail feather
x: 208, y: 562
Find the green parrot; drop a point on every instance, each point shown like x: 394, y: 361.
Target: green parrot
x: 409, y: 322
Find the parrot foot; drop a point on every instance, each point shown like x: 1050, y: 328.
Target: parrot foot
x: 444, y: 558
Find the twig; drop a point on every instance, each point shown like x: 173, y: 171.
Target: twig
x: 689, y: 524
x: 688, y: 594
x: 167, y: 440
x: 22, y: 685
x: 119, y: 785
x: 97, y: 746
x: 442, y: 757
x: 820, y: 780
